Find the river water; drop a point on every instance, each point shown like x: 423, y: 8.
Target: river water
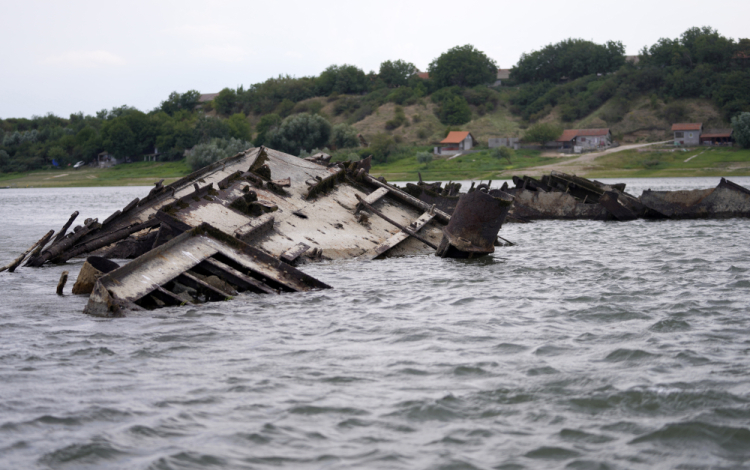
x: 589, y: 345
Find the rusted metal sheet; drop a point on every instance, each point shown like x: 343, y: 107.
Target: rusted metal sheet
x: 535, y: 205
x: 427, y: 194
x: 728, y: 199
x: 474, y: 225
x: 609, y: 200
x: 154, y: 277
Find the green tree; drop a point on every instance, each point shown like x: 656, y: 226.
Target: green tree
x: 176, y: 102
x: 424, y: 157
x: 344, y: 79
x: 454, y: 111
x: 542, y: 133
x: 215, y: 150
x: 301, y: 132
x: 344, y: 136
x: 396, y: 73
x: 462, y: 66
x: 571, y: 58
x: 382, y: 145
x: 267, y: 123
x: 119, y: 139
x: 741, y: 126
x: 239, y: 127
x: 225, y: 102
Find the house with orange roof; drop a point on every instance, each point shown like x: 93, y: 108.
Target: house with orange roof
x: 687, y: 133
x: 455, y: 142
x: 585, y: 138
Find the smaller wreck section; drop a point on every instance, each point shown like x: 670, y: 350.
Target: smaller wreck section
x: 200, y: 265
x: 724, y: 201
x: 569, y: 197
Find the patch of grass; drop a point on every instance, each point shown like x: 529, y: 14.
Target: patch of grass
x: 701, y: 162
x: 127, y: 174
x: 480, y: 165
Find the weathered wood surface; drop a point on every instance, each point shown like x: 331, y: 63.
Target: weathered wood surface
x: 202, y: 248
x: 408, y: 198
x: 392, y: 242
x: 15, y: 263
x: 396, y: 224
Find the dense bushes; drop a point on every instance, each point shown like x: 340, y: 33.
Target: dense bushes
x: 300, y: 132
x: 571, y: 59
x: 344, y: 136
x: 741, y: 126
x: 215, y: 150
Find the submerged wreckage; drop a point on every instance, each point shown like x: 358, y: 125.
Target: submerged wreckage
x: 244, y: 223
x: 568, y: 197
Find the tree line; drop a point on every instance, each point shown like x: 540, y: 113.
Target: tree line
x: 574, y: 76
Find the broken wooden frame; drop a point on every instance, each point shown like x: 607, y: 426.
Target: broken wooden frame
x: 175, y: 273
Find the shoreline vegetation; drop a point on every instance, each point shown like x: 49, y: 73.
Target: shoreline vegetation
x: 630, y: 163
x: 398, y: 114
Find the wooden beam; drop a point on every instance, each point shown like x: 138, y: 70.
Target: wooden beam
x: 234, y: 277
x: 392, y: 222
x: 381, y: 249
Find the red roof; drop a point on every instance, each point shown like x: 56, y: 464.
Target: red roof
x: 207, y: 97
x: 687, y: 126
x: 456, y: 137
x: 716, y: 133
x: 570, y: 134
x: 423, y: 75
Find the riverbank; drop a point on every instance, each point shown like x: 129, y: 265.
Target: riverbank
x: 627, y: 163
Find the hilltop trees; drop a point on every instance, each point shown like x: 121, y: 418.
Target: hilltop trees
x: 396, y: 73
x: 342, y: 79
x: 177, y: 102
x: 463, y: 66
x: 571, y: 58
x: 300, y: 132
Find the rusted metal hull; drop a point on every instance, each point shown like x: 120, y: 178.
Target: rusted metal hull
x: 474, y: 225
x: 726, y: 200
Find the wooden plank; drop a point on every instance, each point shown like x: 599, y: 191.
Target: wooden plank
x: 234, y: 277
x: 408, y: 198
x: 14, y: 264
x: 381, y: 249
x: 255, y: 228
x: 291, y: 255
x: 197, y: 284
x: 373, y: 197
x: 393, y: 222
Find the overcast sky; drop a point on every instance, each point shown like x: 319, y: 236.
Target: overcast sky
x: 65, y: 57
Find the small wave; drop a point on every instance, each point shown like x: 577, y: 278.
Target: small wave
x: 552, y: 453
x: 97, y: 452
x: 630, y: 355
x: 311, y: 410
x: 688, y: 435
x: 669, y: 325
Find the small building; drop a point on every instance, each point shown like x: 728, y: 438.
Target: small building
x: 717, y: 137
x: 207, y: 97
x: 585, y: 138
x: 423, y: 75
x: 455, y: 142
x: 105, y: 160
x: 510, y: 142
x: 687, y: 133
x: 502, y: 74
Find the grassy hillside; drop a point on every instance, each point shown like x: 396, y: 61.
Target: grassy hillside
x: 131, y: 174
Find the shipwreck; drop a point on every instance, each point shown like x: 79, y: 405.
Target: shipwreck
x: 246, y: 223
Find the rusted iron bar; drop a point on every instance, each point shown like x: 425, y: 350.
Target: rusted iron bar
x: 107, y: 239
x: 61, y: 283
x: 393, y: 222
x: 407, y: 198
x: 59, y: 248
x: 42, y: 241
x: 65, y: 228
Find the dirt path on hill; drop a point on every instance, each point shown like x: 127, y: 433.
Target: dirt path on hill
x: 576, y: 165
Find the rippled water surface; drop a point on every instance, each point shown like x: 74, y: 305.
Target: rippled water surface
x: 587, y: 345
